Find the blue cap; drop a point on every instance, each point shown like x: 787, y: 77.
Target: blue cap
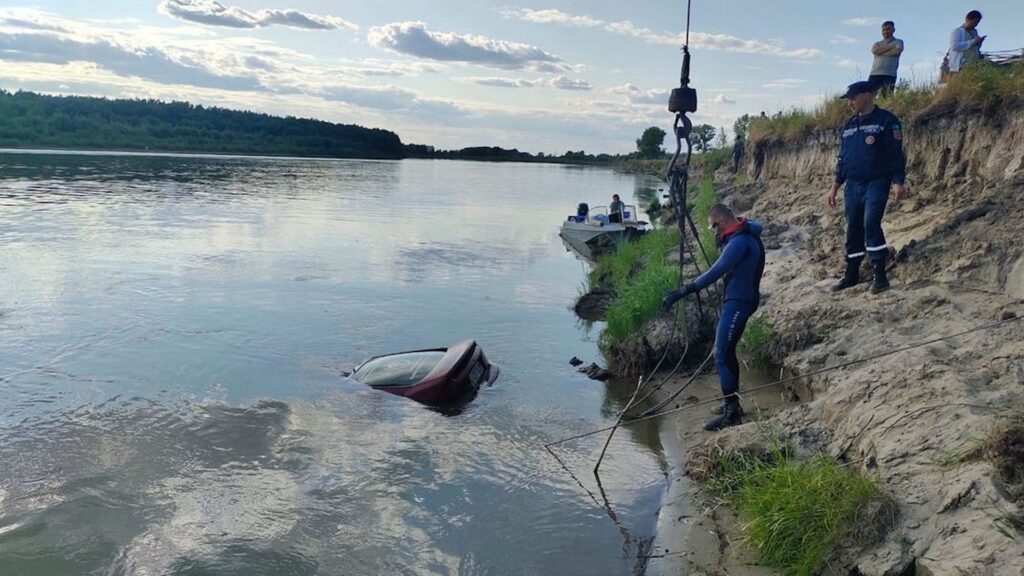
x: 859, y: 88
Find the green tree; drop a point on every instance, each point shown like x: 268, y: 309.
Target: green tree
x: 649, y: 145
x: 701, y: 136
x: 741, y: 127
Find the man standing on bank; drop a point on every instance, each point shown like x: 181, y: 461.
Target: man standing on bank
x: 741, y: 264
x: 871, y: 164
x: 887, y: 53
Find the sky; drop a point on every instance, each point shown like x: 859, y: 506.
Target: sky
x: 537, y: 75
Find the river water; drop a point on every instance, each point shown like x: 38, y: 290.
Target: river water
x: 172, y: 330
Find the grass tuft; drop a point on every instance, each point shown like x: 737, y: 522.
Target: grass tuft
x: 702, y: 203
x: 796, y: 512
x: 639, y: 275
x: 755, y: 345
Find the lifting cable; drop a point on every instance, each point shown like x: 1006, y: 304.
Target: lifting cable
x: 988, y: 326
x: 682, y: 101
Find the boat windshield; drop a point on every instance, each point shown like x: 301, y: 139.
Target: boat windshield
x: 600, y: 215
x: 398, y: 369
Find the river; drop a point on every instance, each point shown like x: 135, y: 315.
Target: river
x: 172, y: 329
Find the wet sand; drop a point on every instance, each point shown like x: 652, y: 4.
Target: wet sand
x: 698, y: 535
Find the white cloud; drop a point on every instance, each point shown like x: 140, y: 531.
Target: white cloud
x: 720, y: 42
x: 862, y: 22
x: 843, y: 39
x: 212, y: 13
x: 559, y: 82
x: 635, y: 95
x: 552, y: 16
x: 414, y: 39
x: 849, y: 64
x: 244, y: 65
x: 723, y: 99
x: 783, y: 83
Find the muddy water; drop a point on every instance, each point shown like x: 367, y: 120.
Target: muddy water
x: 171, y: 332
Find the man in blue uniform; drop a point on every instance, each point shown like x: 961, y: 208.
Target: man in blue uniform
x: 871, y: 164
x: 741, y: 264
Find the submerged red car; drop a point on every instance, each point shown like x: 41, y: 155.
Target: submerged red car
x: 434, y: 376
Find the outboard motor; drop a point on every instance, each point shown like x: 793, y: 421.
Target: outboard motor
x: 582, y: 209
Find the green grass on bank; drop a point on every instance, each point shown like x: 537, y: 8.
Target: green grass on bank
x: 639, y: 275
x: 983, y: 87
x: 796, y: 512
x: 713, y: 159
x: 702, y: 203
x: 638, y: 272
x: 756, y: 340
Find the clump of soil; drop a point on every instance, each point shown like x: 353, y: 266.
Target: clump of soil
x: 592, y: 306
x: 663, y: 340
x: 595, y: 372
x: 1007, y: 454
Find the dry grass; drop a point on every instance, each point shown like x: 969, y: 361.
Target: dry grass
x: 984, y: 87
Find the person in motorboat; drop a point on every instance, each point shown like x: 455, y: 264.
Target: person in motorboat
x: 615, y: 209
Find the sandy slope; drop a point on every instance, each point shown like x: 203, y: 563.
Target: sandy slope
x: 906, y: 419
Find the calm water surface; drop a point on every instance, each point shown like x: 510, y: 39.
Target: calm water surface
x: 171, y: 335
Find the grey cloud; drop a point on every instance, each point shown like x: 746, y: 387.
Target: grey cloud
x: 212, y: 13
x: 391, y: 99
x: 723, y: 42
x: 414, y: 39
x: 564, y: 83
x: 28, y: 24
x: 503, y: 82
x: 148, y: 62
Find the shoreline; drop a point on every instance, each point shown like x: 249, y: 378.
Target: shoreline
x: 695, y: 533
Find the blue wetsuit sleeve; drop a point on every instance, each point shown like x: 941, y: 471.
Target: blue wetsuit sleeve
x: 894, y: 155
x: 727, y: 261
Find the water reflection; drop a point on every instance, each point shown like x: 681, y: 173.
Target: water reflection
x: 172, y: 334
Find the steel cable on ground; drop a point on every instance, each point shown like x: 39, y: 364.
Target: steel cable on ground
x: 988, y: 326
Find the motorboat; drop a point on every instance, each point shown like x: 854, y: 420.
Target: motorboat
x: 435, y: 376
x: 592, y: 231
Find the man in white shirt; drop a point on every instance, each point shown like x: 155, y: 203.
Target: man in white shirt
x: 887, y: 59
x: 965, y: 43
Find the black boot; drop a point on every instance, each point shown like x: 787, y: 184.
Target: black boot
x: 851, y: 278
x: 880, y: 283
x: 732, y: 415
x: 720, y: 409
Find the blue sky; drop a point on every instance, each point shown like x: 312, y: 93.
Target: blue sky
x: 540, y: 75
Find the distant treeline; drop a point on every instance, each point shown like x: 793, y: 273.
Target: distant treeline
x: 495, y: 154
x: 34, y: 120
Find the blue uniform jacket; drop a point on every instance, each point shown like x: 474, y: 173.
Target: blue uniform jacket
x: 741, y: 263
x: 872, y: 149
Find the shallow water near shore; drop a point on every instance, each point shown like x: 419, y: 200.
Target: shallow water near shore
x: 171, y: 336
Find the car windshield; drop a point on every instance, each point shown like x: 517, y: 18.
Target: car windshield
x: 398, y: 369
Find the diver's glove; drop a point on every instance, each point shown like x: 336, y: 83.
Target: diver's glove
x: 673, y: 296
